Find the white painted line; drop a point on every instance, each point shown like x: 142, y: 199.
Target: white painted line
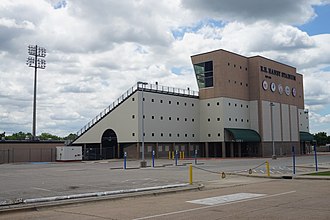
x: 42, y: 189
x: 225, y: 199
x: 211, y: 206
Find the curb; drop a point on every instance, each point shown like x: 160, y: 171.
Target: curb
x: 32, y: 204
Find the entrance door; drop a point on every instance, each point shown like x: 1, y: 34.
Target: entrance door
x: 109, y: 145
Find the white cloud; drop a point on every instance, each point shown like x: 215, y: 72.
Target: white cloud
x: 99, y: 49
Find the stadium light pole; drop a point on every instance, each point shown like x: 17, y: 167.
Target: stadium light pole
x: 143, y: 162
x: 272, y: 122
x: 35, y: 60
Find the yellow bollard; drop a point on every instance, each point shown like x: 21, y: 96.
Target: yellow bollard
x: 182, y: 154
x: 267, y: 168
x: 172, y: 155
x: 169, y: 155
x: 190, y: 175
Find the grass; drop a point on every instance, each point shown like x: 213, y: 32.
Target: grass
x: 325, y: 173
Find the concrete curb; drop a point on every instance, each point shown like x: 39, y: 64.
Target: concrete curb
x: 35, y: 203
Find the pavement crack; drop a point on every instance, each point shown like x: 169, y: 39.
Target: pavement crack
x: 84, y: 214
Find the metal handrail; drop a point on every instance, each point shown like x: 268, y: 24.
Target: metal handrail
x: 124, y: 96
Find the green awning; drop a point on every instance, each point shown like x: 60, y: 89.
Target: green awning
x: 244, y: 135
x: 305, y: 136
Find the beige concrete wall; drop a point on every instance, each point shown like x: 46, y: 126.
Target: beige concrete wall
x: 171, y: 114
x: 303, y: 120
x: 294, y: 123
x: 120, y: 120
x: 266, y: 122
x: 286, y: 122
x: 254, y: 116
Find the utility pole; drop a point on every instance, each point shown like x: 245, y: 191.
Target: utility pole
x: 35, y: 60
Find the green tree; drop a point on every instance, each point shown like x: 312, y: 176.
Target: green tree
x: 19, y: 136
x: 47, y: 136
x: 321, y: 138
x: 71, y: 137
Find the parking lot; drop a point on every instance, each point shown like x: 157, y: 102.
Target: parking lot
x: 35, y: 180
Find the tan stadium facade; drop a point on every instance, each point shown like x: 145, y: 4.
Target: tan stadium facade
x: 245, y: 107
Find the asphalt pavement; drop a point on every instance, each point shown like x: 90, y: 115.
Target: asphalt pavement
x: 28, y: 181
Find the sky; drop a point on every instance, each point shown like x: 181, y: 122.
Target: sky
x: 96, y: 50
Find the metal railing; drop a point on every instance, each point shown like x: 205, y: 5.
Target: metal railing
x: 139, y: 86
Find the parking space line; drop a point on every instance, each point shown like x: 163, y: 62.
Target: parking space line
x: 212, y: 206
x: 42, y: 189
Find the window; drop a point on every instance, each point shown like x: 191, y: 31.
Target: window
x: 208, y: 104
x: 152, y: 100
x: 218, y: 119
x: 192, y: 120
x: 169, y: 118
x: 161, y: 101
x: 161, y: 117
x: 133, y: 116
x: 234, y: 65
x: 170, y: 134
x: 228, y: 64
x: 178, y: 135
x: 161, y: 134
x: 209, y: 135
x: 186, y: 135
x: 152, y: 117
x: 185, y: 104
x: 242, y: 120
x: 152, y: 134
x: 218, y: 103
x: 247, y: 106
x: 133, y: 99
x: 133, y: 134
x: 229, y: 103
x: 193, y: 135
x: 247, y: 85
x: 169, y: 102
x: 144, y: 116
x: 246, y: 68
x: 178, y: 103
x: 235, y: 105
x: 144, y: 134
x: 218, y: 134
x: 178, y: 119
x: 192, y: 104
x: 185, y: 119
x: 208, y: 119
x: 229, y: 119
x: 204, y: 74
x: 247, y: 120
x: 240, y: 67
x: 144, y: 99
x: 235, y: 119
x: 241, y: 105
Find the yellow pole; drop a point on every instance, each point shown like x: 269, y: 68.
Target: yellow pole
x: 172, y: 155
x: 190, y: 174
x: 182, y: 154
x: 169, y: 155
x: 267, y: 168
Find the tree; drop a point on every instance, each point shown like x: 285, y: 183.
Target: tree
x: 321, y: 138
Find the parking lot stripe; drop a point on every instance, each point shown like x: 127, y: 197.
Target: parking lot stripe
x: 212, y: 206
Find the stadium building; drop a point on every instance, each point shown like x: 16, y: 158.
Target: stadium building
x: 245, y: 107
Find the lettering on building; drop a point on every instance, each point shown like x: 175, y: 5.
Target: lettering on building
x: 277, y: 73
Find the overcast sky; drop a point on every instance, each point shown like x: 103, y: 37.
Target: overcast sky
x: 98, y: 49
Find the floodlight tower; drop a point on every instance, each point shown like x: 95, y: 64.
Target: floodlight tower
x: 35, y: 60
